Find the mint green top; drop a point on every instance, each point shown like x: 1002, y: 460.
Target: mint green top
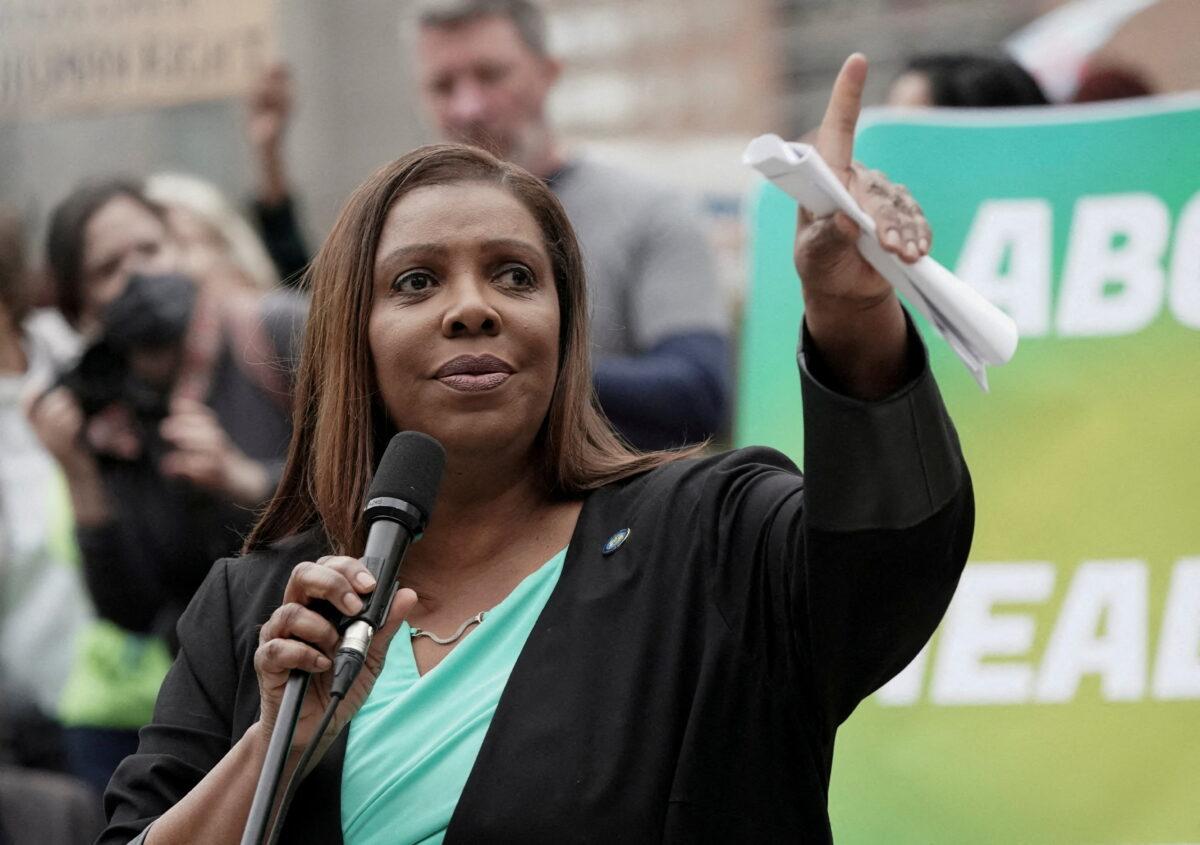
x: 415, y: 740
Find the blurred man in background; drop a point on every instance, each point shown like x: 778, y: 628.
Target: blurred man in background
x: 658, y: 323
x: 268, y: 113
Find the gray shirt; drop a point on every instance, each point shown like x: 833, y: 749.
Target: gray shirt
x: 649, y: 267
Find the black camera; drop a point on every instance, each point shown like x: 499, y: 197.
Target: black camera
x: 151, y: 314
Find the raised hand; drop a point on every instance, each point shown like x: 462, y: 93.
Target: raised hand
x: 269, y: 107
x: 268, y: 113
x: 203, y: 455
x: 851, y: 311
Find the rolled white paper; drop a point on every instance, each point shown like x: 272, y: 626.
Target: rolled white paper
x: 979, y: 332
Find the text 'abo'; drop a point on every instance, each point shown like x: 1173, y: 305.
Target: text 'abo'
x: 1116, y: 275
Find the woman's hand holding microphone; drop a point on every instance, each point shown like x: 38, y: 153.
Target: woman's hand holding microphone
x: 297, y: 636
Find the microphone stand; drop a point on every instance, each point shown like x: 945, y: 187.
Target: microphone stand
x: 393, y: 523
x: 267, y: 790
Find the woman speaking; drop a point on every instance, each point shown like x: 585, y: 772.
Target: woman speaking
x: 590, y: 644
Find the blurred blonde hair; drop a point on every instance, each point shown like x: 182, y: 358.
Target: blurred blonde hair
x: 240, y: 243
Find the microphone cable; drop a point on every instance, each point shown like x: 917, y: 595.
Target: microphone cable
x: 398, y: 504
x: 289, y: 791
x: 348, y: 662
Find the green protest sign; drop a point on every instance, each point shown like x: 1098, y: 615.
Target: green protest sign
x: 1060, y: 699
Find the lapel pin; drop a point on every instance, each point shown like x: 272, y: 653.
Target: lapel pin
x: 615, y: 541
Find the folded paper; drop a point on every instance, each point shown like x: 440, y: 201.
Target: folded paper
x: 979, y: 332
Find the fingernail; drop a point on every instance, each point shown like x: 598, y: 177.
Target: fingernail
x: 352, y: 602
x: 322, y: 662
x: 923, y: 244
x: 892, y: 238
x: 365, y: 580
x: 910, y: 249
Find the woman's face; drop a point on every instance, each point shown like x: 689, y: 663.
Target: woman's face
x: 465, y: 320
x: 123, y: 237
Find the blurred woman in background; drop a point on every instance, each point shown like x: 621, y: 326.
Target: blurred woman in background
x: 170, y: 429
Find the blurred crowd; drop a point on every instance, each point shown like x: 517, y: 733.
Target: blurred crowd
x: 145, y: 413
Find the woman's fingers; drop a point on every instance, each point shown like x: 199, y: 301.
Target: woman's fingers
x: 902, y: 228
x: 279, y: 657
x: 311, y: 581
x: 835, y: 137
x: 338, y: 580
x: 193, y: 432
x: 825, y: 246
x: 183, y: 407
x: 825, y: 254
x: 899, y: 221
x: 295, y: 621
x: 352, y: 569
x: 200, y: 468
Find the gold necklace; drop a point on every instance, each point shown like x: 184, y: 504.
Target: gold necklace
x: 455, y: 637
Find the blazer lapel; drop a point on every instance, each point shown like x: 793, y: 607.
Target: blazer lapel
x: 533, y: 679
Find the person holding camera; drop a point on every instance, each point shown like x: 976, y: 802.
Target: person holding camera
x: 172, y: 426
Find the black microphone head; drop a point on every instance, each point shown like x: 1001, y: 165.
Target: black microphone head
x: 410, y: 470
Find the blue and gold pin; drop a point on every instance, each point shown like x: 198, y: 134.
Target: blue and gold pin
x: 615, y: 541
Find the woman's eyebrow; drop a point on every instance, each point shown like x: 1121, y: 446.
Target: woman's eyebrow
x: 440, y: 250
x: 511, y: 243
x: 409, y: 250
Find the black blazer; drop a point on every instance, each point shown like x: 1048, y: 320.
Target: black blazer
x: 685, y: 688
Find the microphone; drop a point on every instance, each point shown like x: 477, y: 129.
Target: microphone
x: 398, y: 506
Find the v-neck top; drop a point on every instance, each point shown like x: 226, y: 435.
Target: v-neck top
x: 414, y: 742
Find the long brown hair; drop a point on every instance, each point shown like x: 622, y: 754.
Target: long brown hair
x: 340, y: 427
